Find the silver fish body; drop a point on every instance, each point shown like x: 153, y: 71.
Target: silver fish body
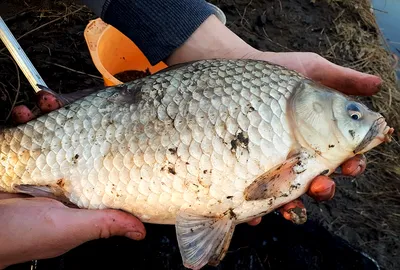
x: 210, y: 140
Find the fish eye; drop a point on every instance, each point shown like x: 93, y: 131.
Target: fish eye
x: 354, y: 111
x: 355, y: 115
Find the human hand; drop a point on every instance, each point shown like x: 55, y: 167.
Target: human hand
x: 40, y: 228
x: 214, y: 40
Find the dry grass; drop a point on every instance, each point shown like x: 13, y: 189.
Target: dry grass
x: 360, y: 47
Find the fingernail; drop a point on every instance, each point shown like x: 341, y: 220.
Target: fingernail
x: 354, y: 168
x: 322, y: 189
x: 134, y: 235
x: 325, y: 194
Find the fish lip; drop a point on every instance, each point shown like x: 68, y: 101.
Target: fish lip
x: 378, y: 133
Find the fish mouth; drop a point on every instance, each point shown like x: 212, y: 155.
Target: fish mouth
x: 378, y: 133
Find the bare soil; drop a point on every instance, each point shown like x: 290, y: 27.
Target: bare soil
x: 130, y: 75
x: 365, y: 213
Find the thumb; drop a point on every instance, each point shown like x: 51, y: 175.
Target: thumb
x: 85, y: 225
x: 346, y: 80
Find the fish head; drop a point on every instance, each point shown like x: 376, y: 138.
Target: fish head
x: 335, y: 125
x: 361, y: 128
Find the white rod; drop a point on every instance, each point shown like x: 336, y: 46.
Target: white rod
x: 20, y: 57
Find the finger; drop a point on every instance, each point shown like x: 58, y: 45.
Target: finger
x: 354, y: 166
x: 344, y: 79
x: 21, y: 114
x: 322, y: 188
x: 47, y: 102
x: 317, y: 68
x: 255, y: 221
x: 294, y: 211
x: 85, y: 225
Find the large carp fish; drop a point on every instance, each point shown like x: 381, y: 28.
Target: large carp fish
x: 204, y: 145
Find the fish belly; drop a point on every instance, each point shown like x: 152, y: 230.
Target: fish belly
x: 189, y: 138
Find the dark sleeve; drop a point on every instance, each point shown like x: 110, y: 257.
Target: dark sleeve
x: 157, y: 27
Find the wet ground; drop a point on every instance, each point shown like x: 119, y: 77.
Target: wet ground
x: 357, y: 214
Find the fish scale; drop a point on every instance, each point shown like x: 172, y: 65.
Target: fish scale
x: 82, y: 144
x: 204, y: 145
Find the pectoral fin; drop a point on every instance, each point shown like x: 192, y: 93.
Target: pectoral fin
x: 203, y: 240
x: 270, y: 183
x: 52, y: 192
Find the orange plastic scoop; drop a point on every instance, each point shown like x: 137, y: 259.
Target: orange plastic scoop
x: 112, y: 52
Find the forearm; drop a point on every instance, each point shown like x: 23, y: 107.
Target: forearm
x: 213, y: 40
